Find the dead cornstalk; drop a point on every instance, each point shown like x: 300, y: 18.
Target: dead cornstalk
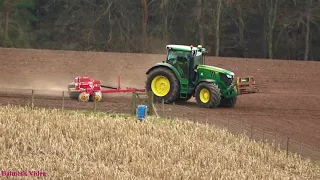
x: 95, y: 104
x: 228, y: 123
x: 251, y: 129
x: 288, y: 139
x: 32, y: 98
x: 263, y: 138
x: 275, y: 142
x: 62, y: 100
x: 133, y: 103
x: 162, y: 103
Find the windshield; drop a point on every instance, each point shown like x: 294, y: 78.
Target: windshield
x: 172, y: 55
x: 198, y: 59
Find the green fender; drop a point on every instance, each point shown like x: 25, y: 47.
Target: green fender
x: 166, y: 65
x: 227, y: 93
x: 203, y: 80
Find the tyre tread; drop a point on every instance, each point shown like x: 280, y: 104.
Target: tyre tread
x: 214, y: 94
x: 175, y: 84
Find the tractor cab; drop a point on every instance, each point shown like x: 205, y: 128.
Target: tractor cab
x: 186, y: 60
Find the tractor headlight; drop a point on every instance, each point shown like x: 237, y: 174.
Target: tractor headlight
x: 229, y: 76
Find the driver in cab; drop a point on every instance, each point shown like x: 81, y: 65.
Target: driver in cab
x: 178, y: 60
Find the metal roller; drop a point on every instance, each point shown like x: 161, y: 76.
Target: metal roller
x: 98, y: 96
x: 83, y: 97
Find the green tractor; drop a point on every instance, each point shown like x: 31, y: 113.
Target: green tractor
x: 183, y: 75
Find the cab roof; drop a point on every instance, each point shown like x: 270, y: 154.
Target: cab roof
x: 183, y: 47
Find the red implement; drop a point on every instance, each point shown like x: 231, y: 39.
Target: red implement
x: 85, y: 88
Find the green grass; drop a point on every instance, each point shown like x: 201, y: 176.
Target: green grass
x: 86, y: 145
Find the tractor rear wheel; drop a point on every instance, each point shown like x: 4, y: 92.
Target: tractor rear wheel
x: 208, y: 95
x: 164, y: 85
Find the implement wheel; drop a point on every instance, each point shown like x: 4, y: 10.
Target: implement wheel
x: 84, y: 97
x: 97, y: 96
x: 208, y: 95
x: 164, y: 85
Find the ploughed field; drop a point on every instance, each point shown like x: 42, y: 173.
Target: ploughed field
x: 289, y: 101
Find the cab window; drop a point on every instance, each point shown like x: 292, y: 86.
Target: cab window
x: 198, y: 59
x: 180, y: 61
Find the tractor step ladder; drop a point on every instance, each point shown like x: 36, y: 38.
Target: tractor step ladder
x: 184, y: 83
x: 246, y: 85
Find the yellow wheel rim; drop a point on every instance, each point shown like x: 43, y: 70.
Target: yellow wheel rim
x: 204, y: 95
x: 160, y: 86
x: 83, y: 97
x: 97, y: 97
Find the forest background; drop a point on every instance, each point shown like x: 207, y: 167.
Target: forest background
x: 273, y: 29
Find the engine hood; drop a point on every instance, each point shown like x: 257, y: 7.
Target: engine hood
x: 217, y: 69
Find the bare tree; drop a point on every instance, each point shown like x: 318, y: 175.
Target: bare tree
x: 239, y: 20
x: 272, y: 6
x: 217, y: 23
x: 165, y: 16
x: 200, y: 22
x: 307, y: 36
x: 144, y: 22
x: 6, y: 18
x: 241, y: 27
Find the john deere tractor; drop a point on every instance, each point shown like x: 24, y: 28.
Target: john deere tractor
x: 183, y: 75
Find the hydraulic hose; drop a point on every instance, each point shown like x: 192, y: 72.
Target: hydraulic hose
x: 109, y: 87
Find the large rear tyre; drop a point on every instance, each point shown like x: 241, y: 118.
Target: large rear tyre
x: 164, y: 85
x: 228, y: 102
x: 208, y: 95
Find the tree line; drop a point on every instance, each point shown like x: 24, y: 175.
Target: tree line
x: 274, y: 29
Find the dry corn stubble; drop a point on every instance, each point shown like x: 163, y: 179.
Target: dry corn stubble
x: 81, y: 146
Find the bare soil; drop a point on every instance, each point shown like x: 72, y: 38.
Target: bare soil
x: 287, y: 104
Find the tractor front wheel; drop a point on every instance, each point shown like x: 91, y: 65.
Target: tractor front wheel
x: 208, y: 95
x: 164, y: 85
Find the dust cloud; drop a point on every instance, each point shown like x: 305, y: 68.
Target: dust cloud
x: 41, y: 86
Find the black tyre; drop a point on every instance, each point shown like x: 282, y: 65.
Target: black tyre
x: 164, y: 85
x: 208, y: 95
x: 228, y: 102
